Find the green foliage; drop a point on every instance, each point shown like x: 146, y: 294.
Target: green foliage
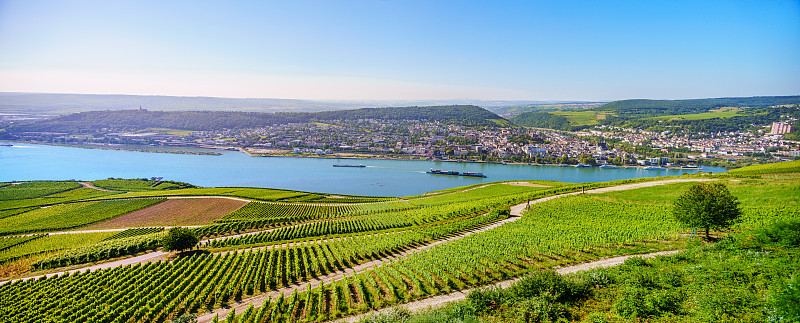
x: 73, y: 195
x: 139, y: 184
x: 9, y: 242
x: 28, y: 190
x: 542, y: 120
x: 179, y: 239
x: 640, y: 107
x: 296, y: 212
x: 102, y: 250
x: 51, y: 243
x: 67, y: 216
x: 133, y: 232
x: 707, y: 205
x: 781, y: 233
x: 773, y: 168
x: 784, y: 302
x: 466, y: 115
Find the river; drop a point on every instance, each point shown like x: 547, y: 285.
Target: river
x: 23, y: 161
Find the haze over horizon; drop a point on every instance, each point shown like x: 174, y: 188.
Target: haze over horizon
x: 402, y: 50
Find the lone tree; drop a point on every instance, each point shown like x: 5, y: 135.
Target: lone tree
x: 179, y: 239
x: 709, y: 206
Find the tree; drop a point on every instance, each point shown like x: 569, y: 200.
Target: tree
x: 709, y: 206
x: 179, y: 239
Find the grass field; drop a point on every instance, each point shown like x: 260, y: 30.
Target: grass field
x: 582, y: 118
x: 700, y: 116
x: 173, y: 212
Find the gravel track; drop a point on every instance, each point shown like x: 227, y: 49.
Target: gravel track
x: 516, y: 213
x: 441, y: 300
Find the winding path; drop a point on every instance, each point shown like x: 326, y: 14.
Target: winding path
x: 441, y: 300
x: 516, y: 213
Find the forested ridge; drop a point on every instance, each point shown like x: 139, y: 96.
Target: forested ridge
x: 640, y: 108
x: 542, y: 120
x: 640, y: 114
x: 467, y: 115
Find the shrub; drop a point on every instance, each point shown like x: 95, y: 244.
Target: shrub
x: 394, y: 314
x: 598, y: 278
x: 486, y: 300
x: 785, y: 301
x: 781, y: 233
x: 542, y: 308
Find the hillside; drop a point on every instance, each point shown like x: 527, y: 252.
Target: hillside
x: 465, y: 115
x: 696, y: 115
x: 542, y: 120
x: 639, y: 108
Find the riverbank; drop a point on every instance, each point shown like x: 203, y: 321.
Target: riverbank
x: 117, y: 148
x: 287, y: 154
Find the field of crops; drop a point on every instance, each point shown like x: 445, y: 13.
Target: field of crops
x: 155, y: 291
x: 67, y: 216
x: 173, y: 212
x: 72, y: 195
x: 28, y: 190
x: 138, y: 185
x: 49, y: 244
x: 331, y: 238
x: 300, y: 212
x: 106, y: 249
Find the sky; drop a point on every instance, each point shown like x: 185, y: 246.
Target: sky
x: 403, y: 49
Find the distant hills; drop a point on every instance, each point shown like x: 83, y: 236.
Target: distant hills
x: 131, y: 120
x: 60, y: 104
x: 701, y: 115
x: 651, y: 108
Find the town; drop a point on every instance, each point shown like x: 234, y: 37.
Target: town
x: 419, y: 139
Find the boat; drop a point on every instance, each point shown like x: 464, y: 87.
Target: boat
x: 6, y: 145
x: 608, y: 167
x: 454, y: 173
x: 346, y: 165
x: 690, y: 166
x: 653, y: 168
x: 583, y: 166
x: 471, y: 174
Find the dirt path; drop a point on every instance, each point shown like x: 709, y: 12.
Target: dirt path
x: 516, y: 212
x: 89, y: 185
x: 338, y: 275
x: 441, y: 300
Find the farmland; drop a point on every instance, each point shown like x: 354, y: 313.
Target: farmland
x: 173, y: 212
x: 287, y: 258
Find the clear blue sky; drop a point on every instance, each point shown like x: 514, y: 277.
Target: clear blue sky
x: 393, y: 49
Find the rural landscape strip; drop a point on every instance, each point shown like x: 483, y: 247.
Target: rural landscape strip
x: 516, y: 213
x: 441, y: 300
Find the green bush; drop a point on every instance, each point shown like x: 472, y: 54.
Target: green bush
x: 486, y: 300
x: 542, y: 308
x: 785, y: 302
x: 781, y: 233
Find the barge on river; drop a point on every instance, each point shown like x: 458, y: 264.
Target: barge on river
x: 454, y: 173
x: 345, y: 165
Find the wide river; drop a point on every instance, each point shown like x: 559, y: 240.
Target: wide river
x: 381, y: 177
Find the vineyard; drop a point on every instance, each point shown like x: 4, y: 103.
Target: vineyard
x: 67, y: 216
x: 29, y: 190
x: 283, y: 212
x: 288, y: 245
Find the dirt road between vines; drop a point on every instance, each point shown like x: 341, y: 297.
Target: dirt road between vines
x: 516, y: 212
x: 441, y: 300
